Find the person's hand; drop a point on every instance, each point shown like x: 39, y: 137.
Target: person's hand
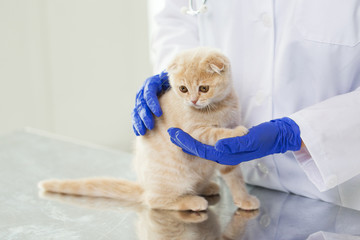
x: 276, y: 136
x: 147, y: 103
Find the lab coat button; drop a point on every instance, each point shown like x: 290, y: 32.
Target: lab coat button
x: 262, y: 167
x: 265, y: 220
x: 266, y: 20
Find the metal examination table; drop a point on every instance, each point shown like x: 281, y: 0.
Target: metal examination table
x: 27, y: 157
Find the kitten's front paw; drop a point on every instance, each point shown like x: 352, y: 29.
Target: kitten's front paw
x: 241, y: 131
x: 248, y: 203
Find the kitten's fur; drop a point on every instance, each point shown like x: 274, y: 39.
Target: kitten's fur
x: 168, y: 178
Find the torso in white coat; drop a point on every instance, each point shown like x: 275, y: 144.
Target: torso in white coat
x: 289, y: 58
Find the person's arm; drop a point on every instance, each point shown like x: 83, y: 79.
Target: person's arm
x: 330, y: 131
x: 171, y: 31
x: 276, y: 136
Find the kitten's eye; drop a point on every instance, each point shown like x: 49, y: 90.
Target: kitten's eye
x: 204, y: 89
x: 183, y: 89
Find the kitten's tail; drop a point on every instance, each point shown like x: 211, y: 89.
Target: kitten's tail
x: 96, y: 187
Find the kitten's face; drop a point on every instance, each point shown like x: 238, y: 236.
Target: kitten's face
x: 200, y: 90
x: 200, y: 77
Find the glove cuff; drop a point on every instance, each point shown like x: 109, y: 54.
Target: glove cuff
x: 289, y: 135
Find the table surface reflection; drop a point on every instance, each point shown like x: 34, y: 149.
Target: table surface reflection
x: 28, y: 157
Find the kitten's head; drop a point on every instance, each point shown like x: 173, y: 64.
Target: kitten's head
x: 200, y: 77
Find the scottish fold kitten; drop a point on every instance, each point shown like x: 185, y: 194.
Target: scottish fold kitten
x: 202, y: 102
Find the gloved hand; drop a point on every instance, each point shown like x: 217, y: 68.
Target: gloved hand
x: 147, y: 103
x: 276, y: 136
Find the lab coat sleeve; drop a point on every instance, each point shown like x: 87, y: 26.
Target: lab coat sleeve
x: 170, y: 31
x: 330, y: 131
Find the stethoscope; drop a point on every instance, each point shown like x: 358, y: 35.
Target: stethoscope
x: 191, y: 11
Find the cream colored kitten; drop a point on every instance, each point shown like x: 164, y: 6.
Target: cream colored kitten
x: 203, y: 103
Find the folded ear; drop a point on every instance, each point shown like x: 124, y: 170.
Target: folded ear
x: 217, y: 67
x: 216, y: 63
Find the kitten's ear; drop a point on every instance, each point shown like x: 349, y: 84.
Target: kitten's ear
x: 217, y: 68
x: 217, y: 64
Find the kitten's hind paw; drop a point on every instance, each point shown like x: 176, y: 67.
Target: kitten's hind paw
x: 183, y: 203
x: 191, y: 217
x: 198, y: 204
x: 193, y: 203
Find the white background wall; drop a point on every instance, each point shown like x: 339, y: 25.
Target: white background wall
x: 72, y: 67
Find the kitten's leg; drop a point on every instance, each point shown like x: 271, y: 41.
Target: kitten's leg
x: 183, y: 203
x: 233, y: 178
x: 210, y: 189
x: 231, y: 174
x: 210, y: 135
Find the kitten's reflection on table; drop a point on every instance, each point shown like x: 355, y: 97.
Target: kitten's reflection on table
x: 164, y: 224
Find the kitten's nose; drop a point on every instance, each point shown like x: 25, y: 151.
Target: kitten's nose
x: 194, y: 101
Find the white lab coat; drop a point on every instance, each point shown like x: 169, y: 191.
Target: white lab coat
x: 297, y: 58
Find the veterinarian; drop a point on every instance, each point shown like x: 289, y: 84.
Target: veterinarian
x: 296, y: 69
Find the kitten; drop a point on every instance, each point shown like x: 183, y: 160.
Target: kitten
x: 202, y: 102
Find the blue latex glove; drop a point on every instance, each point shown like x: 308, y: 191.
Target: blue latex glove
x: 147, y: 103
x: 276, y: 136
